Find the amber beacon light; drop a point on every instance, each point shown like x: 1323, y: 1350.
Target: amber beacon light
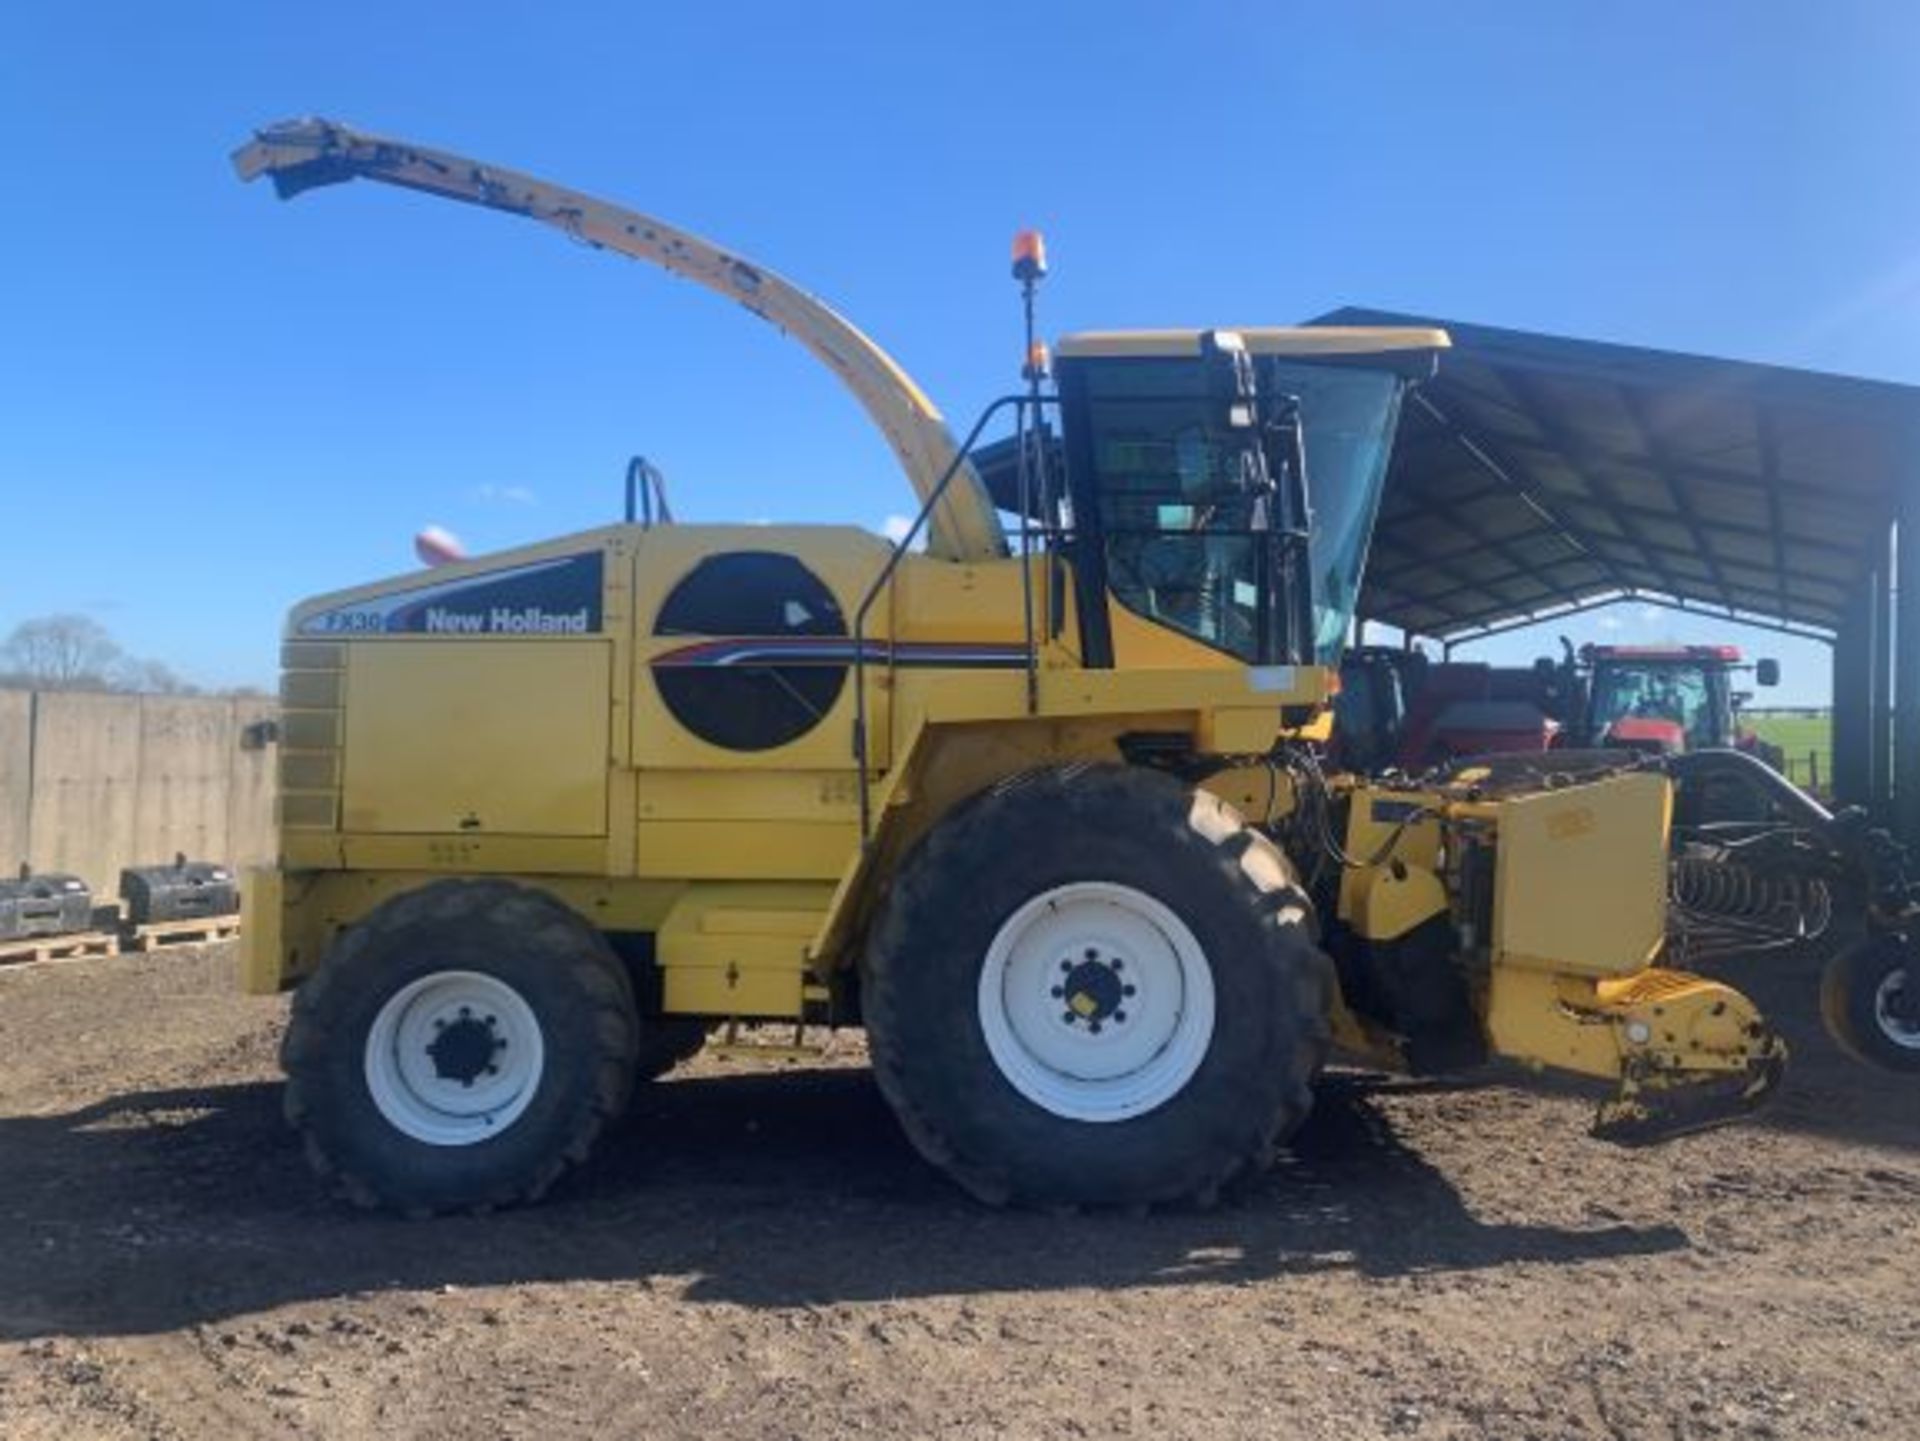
x: 1029, y: 255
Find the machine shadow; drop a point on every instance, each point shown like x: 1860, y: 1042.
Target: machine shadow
x: 159, y: 1210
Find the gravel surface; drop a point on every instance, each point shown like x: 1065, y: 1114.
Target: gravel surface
x: 757, y: 1253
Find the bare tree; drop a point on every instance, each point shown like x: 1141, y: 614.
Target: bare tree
x: 76, y: 652
x: 62, y: 652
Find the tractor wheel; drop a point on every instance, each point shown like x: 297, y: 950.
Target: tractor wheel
x: 665, y: 1043
x: 1095, y: 986
x: 459, y: 1048
x: 1870, y: 997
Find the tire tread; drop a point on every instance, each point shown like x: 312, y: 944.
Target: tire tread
x: 546, y: 925
x: 954, y: 846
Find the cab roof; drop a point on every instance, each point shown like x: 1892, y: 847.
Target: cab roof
x: 1396, y: 345
x: 1729, y: 653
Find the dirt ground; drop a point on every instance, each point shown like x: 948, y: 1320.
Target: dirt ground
x: 758, y: 1254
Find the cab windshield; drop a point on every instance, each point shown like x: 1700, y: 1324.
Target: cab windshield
x: 1691, y: 697
x: 1191, y: 538
x: 1350, y: 416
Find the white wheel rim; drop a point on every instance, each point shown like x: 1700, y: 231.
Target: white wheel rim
x: 1896, y: 1028
x: 454, y: 1058
x: 1096, y: 1002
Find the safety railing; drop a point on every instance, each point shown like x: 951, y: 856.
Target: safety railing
x: 883, y: 582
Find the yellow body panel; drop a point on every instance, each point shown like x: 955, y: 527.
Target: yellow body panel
x: 435, y: 744
x: 262, y: 951
x: 315, y: 904
x: 727, y: 850
x: 935, y: 601
x: 1658, y: 1020
x: 844, y: 558
x: 482, y: 855
x: 1374, y: 820
x: 1581, y: 886
x: 739, y: 949
x: 1395, y: 899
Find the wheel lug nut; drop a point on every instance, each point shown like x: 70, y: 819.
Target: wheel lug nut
x: 1094, y: 1027
x: 1118, y: 964
x: 1059, y: 991
x: 1119, y: 1016
x: 1066, y: 965
x: 1126, y: 990
x: 1092, y: 954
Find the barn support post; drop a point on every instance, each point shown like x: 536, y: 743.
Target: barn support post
x: 1905, y: 649
x: 1856, y: 780
x: 1880, y: 695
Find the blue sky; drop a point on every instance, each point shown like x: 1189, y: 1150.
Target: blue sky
x: 212, y: 403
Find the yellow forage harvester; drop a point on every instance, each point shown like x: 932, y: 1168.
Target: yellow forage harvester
x: 1035, y: 794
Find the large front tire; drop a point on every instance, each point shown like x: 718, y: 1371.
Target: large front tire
x: 1095, y: 986
x: 459, y: 1048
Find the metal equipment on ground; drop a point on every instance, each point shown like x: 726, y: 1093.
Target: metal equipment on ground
x: 184, y: 891
x: 44, y: 905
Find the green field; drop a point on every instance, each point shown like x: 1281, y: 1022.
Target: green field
x: 1806, y: 739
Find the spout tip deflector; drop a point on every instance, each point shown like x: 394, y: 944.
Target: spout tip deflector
x: 296, y: 154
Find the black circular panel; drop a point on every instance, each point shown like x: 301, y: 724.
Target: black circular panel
x: 756, y: 683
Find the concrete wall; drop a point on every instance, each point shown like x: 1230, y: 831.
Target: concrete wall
x: 92, y: 783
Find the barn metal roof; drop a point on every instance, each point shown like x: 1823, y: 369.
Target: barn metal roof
x: 1539, y: 474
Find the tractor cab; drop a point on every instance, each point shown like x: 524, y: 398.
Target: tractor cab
x: 1663, y: 699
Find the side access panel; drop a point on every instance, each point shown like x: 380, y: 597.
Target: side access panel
x: 490, y: 737
x: 741, y: 950
x: 1581, y: 882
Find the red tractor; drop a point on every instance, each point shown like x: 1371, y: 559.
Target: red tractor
x: 1664, y: 699
x: 1397, y: 709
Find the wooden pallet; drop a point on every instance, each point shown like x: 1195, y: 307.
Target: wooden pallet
x: 178, y: 933
x: 55, y: 948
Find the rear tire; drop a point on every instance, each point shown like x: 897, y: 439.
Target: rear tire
x: 1870, y: 999
x: 1015, y: 938
x: 459, y: 1048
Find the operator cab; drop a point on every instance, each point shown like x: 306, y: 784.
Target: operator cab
x: 1215, y: 491
x: 1665, y: 699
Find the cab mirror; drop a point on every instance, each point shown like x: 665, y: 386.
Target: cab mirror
x: 1767, y: 672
